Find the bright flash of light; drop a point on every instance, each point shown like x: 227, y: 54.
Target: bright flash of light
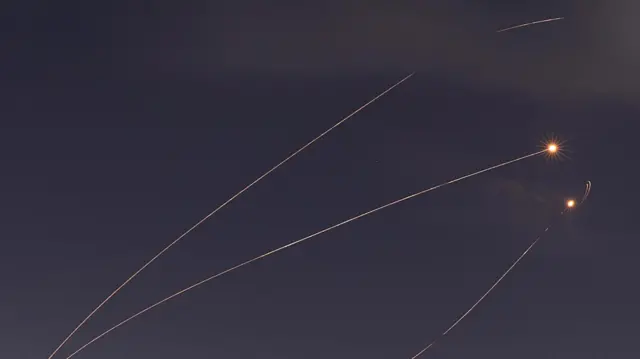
x: 361, y: 215
x: 554, y: 147
x: 184, y: 234
x: 571, y: 203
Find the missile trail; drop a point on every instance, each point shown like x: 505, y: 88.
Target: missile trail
x: 302, y: 240
x: 479, y: 300
x: 222, y: 206
x: 496, y: 282
x: 530, y: 24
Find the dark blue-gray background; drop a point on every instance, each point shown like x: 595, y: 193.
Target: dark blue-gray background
x: 124, y: 124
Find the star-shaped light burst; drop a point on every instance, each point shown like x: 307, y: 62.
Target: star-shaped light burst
x: 554, y: 148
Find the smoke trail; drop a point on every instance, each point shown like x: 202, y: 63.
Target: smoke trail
x: 587, y: 190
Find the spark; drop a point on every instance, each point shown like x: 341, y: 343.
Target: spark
x: 222, y: 206
x: 571, y: 203
x: 556, y: 148
x: 364, y: 214
x: 530, y: 23
x: 490, y: 288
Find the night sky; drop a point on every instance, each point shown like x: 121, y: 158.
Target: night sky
x: 124, y: 124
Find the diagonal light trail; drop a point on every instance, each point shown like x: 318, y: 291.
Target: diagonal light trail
x: 530, y: 23
x: 300, y: 241
x: 479, y: 300
x: 222, y: 206
x: 587, y: 190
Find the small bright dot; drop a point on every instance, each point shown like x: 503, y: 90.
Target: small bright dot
x: 552, y: 148
x: 571, y: 203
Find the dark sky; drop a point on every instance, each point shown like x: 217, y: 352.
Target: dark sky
x: 123, y: 125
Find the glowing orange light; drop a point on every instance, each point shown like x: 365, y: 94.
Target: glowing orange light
x: 552, y: 148
x: 571, y: 203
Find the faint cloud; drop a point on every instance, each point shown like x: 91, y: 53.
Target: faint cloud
x: 593, y: 52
